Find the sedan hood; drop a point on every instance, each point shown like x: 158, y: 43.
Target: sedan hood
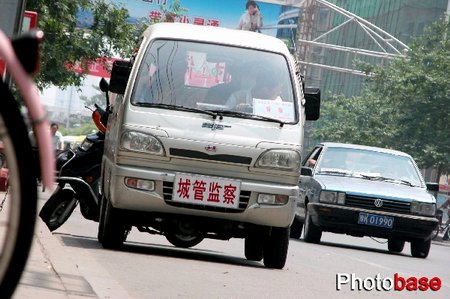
x: 382, y: 189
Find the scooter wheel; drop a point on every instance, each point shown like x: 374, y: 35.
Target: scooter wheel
x: 58, y: 208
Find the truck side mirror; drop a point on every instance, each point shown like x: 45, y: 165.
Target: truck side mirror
x: 312, y: 103
x: 119, y: 76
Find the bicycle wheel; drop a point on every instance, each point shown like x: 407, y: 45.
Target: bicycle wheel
x: 19, y: 203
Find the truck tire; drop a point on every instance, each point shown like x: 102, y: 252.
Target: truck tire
x: 312, y: 233
x: 254, y: 247
x: 276, y: 247
x: 420, y: 248
x: 395, y: 245
x: 58, y: 208
x: 114, y: 232
x: 100, y: 221
x: 296, y: 229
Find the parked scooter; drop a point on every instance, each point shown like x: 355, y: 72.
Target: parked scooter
x: 79, y: 175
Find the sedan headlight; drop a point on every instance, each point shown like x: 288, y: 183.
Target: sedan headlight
x: 141, y: 142
x: 332, y: 197
x: 423, y: 208
x: 279, y: 158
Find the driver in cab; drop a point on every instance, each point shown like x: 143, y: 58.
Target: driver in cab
x: 267, y: 86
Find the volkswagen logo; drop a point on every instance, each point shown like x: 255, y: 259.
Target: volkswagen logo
x: 378, y: 203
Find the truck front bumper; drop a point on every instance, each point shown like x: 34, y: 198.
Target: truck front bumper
x: 160, y: 200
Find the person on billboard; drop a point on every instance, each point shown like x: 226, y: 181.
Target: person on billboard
x: 251, y: 20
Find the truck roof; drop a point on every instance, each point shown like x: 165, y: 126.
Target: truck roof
x: 216, y: 35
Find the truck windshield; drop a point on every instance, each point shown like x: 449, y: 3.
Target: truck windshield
x: 216, y: 78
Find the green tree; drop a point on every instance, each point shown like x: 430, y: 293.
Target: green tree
x: 170, y: 14
x: 65, y: 44
x: 405, y: 105
x: 99, y: 99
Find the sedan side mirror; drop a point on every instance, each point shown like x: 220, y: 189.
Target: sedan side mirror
x: 306, y: 171
x: 433, y: 187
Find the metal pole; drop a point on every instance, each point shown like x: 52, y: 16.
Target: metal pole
x: 11, y: 16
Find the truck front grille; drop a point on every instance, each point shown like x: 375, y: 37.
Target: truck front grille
x: 203, y: 156
x: 369, y: 203
x: 168, y: 190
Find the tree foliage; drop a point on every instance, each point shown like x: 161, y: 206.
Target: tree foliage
x: 99, y: 98
x: 405, y: 106
x: 111, y: 34
x: 66, y: 44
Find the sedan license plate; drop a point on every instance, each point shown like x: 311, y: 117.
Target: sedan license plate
x: 375, y: 220
x: 206, y: 190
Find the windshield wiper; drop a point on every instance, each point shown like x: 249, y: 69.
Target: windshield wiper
x: 247, y: 115
x: 177, y: 107
x: 381, y: 178
x: 335, y: 171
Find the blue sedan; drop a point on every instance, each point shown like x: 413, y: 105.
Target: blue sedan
x: 365, y: 191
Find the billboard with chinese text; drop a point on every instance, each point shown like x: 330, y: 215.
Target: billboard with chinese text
x: 206, y: 13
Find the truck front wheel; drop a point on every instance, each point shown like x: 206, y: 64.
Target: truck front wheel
x: 276, y: 247
x: 112, y: 232
x: 253, y: 247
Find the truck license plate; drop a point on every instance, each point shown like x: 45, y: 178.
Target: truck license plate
x: 206, y: 190
x: 375, y: 220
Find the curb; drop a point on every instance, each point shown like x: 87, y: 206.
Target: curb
x: 51, y: 272
x: 63, y: 265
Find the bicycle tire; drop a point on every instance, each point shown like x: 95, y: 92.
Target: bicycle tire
x: 18, y: 216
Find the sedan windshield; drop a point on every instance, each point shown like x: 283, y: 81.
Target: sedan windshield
x: 368, y: 164
x: 216, y: 78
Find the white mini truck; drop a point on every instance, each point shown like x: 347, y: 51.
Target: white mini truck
x: 205, y: 140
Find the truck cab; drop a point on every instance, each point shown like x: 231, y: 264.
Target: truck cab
x: 205, y: 140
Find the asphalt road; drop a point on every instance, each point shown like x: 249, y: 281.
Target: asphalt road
x: 70, y: 263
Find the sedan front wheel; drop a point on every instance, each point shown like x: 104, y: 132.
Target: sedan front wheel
x: 296, y: 229
x: 395, y: 245
x: 312, y: 233
x: 420, y: 248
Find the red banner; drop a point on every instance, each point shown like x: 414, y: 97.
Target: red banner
x: 101, y: 67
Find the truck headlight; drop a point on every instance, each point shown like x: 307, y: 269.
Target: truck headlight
x: 332, y: 197
x: 423, y: 208
x: 272, y: 199
x: 141, y: 142
x: 279, y: 158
